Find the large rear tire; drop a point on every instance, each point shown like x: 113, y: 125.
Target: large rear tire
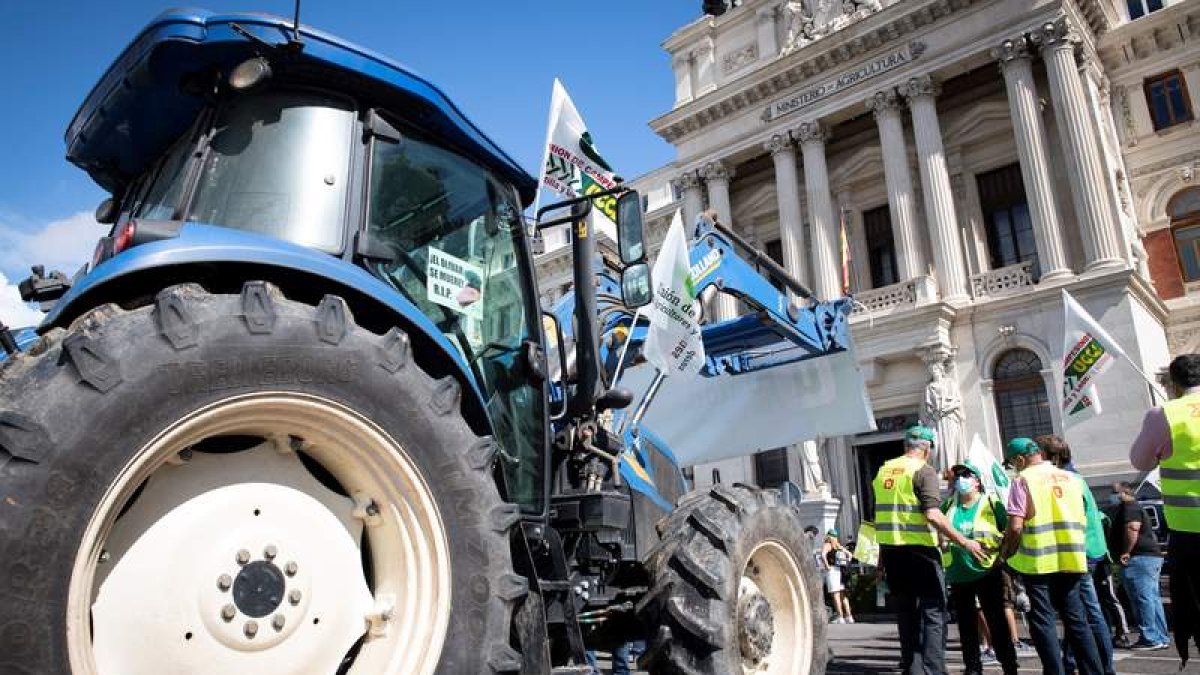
x: 735, y: 589
x: 224, y: 483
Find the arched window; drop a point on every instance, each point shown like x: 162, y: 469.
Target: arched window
x: 1022, y: 405
x: 1184, y: 210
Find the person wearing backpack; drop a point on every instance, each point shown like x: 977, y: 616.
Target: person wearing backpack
x: 977, y: 516
x: 837, y: 561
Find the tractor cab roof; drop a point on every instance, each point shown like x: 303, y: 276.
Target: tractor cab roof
x: 153, y: 91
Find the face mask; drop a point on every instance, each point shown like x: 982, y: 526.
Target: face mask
x: 964, y: 485
x: 1114, y: 499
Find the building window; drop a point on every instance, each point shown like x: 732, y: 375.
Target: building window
x: 1022, y: 405
x: 1006, y: 216
x: 881, y: 248
x: 1167, y: 98
x: 1184, y: 210
x: 1140, y: 8
x: 770, y: 467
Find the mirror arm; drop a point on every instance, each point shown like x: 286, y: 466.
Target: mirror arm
x: 573, y: 201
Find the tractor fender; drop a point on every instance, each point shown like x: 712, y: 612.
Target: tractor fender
x: 221, y: 259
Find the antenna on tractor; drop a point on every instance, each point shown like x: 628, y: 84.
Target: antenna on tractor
x: 295, y: 42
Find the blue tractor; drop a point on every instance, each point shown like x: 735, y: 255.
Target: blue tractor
x: 297, y: 415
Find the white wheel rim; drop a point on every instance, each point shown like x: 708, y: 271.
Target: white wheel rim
x: 218, y: 531
x: 772, y: 575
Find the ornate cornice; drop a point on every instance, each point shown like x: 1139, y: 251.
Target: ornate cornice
x: 778, y: 143
x: 810, y: 132
x: 1016, y: 49
x: 716, y: 170
x: 922, y: 86
x: 892, y: 25
x: 884, y: 103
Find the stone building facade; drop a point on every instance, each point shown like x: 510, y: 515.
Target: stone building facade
x: 981, y: 156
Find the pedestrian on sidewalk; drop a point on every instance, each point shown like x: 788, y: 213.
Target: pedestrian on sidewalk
x: 1141, y: 565
x: 980, y: 517
x: 907, y: 519
x: 837, y: 565
x: 1045, y: 544
x: 1170, y: 440
x: 1056, y: 450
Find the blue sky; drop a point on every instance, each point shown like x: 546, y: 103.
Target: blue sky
x: 495, y: 59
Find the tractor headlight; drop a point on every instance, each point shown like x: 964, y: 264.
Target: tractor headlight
x: 250, y: 73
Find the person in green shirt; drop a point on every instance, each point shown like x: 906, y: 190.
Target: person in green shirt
x: 979, y: 517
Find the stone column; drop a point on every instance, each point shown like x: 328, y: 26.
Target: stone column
x: 935, y: 187
x: 689, y: 186
x: 825, y: 268
x: 787, y: 192
x: 717, y: 176
x: 1016, y: 64
x: 1102, y: 247
x: 887, y: 106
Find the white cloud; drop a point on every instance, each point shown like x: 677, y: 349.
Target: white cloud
x: 64, y: 244
x: 13, y: 312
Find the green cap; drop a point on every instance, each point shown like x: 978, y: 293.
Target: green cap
x: 965, y: 466
x: 1020, y: 446
x: 921, y: 433
x: 833, y: 532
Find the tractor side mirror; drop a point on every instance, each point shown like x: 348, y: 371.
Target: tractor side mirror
x: 630, y: 235
x: 556, y: 360
x: 635, y: 285
x: 107, y: 211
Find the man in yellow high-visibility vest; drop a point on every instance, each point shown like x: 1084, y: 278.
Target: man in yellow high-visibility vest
x: 1170, y: 440
x: 1045, y: 542
x: 908, y: 519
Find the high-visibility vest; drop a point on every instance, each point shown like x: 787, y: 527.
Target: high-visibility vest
x: 983, y: 530
x: 1181, y: 471
x: 1054, y: 539
x: 899, y: 520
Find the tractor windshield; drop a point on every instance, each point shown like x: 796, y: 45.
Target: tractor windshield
x: 453, y: 229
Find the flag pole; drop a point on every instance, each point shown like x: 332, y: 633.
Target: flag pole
x: 625, y: 348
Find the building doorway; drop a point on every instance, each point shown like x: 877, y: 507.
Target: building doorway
x: 869, y: 457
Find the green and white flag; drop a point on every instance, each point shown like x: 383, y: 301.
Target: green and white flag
x: 1088, y: 351
x: 673, y: 343
x: 991, y: 472
x: 572, y: 167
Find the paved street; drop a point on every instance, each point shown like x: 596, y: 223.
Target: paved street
x: 874, y: 648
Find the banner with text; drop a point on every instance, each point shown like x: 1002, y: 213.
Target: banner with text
x: 673, y: 342
x: 1088, y: 351
x: 572, y: 166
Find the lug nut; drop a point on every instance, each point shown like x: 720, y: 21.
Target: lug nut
x: 250, y: 629
x: 224, y: 582
x: 243, y: 557
x: 294, y: 596
x: 270, y: 552
x: 228, y: 612
x: 185, y: 455
x: 291, y: 568
x: 277, y: 622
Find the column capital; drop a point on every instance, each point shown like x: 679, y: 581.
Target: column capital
x: 1057, y: 34
x: 688, y: 180
x: 1009, y: 51
x: 811, y: 133
x: 717, y: 170
x: 922, y: 86
x: 885, y: 103
x: 778, y: 143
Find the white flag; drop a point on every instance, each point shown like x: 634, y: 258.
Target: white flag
x: 673, y: 343
x: 991, y: 473
x: 572, y: 166
x: 1088, y: 351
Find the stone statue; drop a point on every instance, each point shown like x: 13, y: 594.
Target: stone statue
x: 814, y: 476
x: 942, y: 407
x: 811, y: 20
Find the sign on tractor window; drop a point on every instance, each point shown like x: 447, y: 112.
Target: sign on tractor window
x: 455, y: 283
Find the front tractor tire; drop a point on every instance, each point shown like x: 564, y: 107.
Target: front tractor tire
x: 245, y: 484
x: 735, y: 589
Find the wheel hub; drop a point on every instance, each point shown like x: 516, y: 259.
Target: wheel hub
x: 756, y: 623
x: 258, y: 589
